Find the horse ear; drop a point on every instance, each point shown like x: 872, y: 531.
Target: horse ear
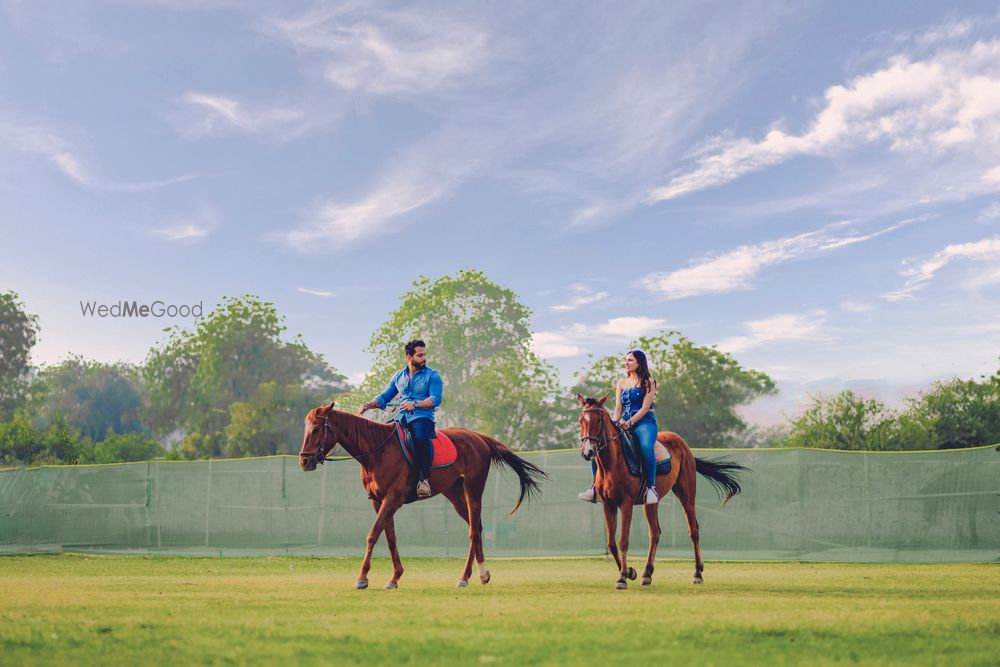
x: 601, y: 400
x: 581, y: 400
x: 331, y: 405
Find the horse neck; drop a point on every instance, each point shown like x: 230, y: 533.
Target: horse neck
x: 610, y: 458
x: 354, y: 433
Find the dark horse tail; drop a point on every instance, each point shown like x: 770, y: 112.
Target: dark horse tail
x: 723, y: 474
x: 528, y: 473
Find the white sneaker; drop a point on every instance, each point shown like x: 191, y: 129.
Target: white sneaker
x: 589, y: 496
x: 651, y: 496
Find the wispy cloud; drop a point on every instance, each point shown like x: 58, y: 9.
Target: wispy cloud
x: 920, y: 276
x: 580, y: 295
x: 946, y: 103
x: 857, y: 307
x: 190, y: 228
x: 208, y: 114
x: 783, y: 327
x: 737, y: 269
x: 990, y: 213
x: 380, y: 52
x: 314, y: 292
x: 575, y: 339
x: 38, y: 141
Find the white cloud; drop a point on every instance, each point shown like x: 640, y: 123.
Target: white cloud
x: 990, y: 213
x: 631, y: 327
x: 945, y: 103
x: 208, y: 114
x: 554, y: 344
x: 381, y: 52
x: 737, y: 269
x: 783, y: 327
x: 920, y: 276
x: 190, y: 228
x: 856, y: 307
x: 580, y: 295
x: 38, y: 141
x: 314, y: 292
x: 576, y: 339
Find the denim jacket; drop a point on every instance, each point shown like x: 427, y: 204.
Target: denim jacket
x: 425, y: 383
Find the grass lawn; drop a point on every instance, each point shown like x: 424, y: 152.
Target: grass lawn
x: 73, y: 609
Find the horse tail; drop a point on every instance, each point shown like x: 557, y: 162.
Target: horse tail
x: 723, y: 474
x: 528, y: 473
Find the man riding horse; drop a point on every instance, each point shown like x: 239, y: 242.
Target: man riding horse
x: 419, y: 388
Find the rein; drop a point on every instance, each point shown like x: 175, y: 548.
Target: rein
x: 319, y: 456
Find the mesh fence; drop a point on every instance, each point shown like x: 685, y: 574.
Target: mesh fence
x: 796, y: 504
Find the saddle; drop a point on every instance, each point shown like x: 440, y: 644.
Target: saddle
x: 633, y: 454
x: 443, y: 451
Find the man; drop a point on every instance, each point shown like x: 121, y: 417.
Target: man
x: 419, y: 388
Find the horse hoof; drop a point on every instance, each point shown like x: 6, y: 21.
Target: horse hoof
x: 632, y: 574
x: 362, y: 584
x: 391, y: 585
x: 646, y: 581
x: 485, y: 578
x: 462, y: 583
x: 621, y: 585
x: 697, y: 579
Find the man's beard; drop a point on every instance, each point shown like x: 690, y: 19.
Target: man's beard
x: 419, y: 365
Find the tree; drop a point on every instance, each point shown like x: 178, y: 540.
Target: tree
x: 956, y: 414
x: 195, y: 375
x: 95, y: 399
x: 117, y: 448
x: 270, y: 421
x: 845, y: 421
x: 699, y: 387
x: 478, y: 338
x: 18, y: 334
x: 22, y: 444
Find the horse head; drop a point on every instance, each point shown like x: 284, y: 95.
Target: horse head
x: 593, y: 429
x: 319, y: 437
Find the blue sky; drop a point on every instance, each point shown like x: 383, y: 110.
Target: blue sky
x: 814, y: 187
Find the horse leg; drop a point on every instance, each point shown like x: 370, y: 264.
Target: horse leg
x: 397, y: 564
x: 626, y: 571
x: 385, y: 511
x: 687, y: 502
x: 476, y: 536
x: 653, y: 519
x: 611, y: 521
x: 457, y: 496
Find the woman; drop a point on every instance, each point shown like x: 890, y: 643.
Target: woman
x: 634, y: 409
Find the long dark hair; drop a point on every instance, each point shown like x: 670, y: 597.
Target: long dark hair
x: 645, y: 380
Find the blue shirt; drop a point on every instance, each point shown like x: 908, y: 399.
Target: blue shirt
x: 425, y: 383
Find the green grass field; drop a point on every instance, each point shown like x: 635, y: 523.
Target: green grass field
x: 87, y: 610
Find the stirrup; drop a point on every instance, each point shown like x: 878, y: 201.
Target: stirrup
x: 652, y: 497
x: 423, y: 489
x: 588, y: 496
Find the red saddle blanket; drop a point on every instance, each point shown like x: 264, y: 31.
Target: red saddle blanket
x: 442, y: 448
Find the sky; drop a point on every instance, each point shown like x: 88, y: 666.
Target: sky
x: 813, y: 187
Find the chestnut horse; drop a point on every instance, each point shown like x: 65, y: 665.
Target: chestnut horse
x: 619, y: 489
x: 389, y: 480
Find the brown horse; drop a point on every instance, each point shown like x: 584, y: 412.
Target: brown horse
x: 389, y: 480
x: 618, y: 489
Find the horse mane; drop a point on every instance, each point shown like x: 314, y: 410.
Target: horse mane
x: 356, y: 428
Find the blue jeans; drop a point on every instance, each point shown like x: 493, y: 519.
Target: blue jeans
x: 645, y: 431
x: 423, y: 432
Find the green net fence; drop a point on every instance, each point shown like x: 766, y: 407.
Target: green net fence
x: 796, y: 504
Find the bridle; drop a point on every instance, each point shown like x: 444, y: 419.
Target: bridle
x: 319, y: 457
x: 603, y: 441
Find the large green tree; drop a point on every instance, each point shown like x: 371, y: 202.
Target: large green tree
x: 844, y: 421
x: 18, y: 334
x: 270, y: 420
x: 699, y: 392
x: 96, y: 399
x: 478, y: 337
x: 955, y: 413
x: 196, y: 374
